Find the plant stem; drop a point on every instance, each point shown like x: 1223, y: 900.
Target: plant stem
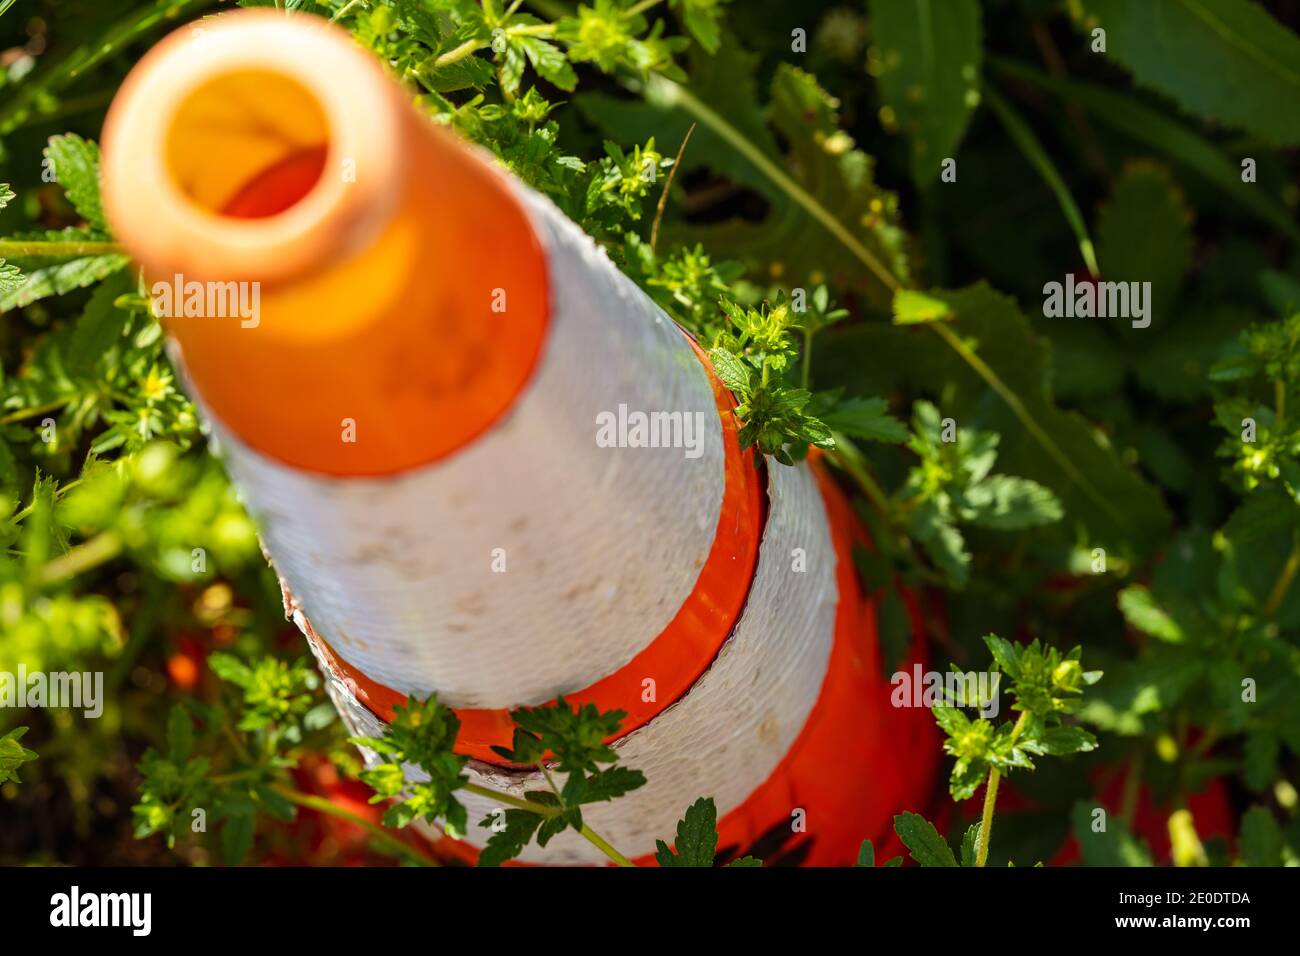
x: 103, y: 547
x: 663, y: 196
x: 673, y: 93
x: 1028, y: 143
x: 592, y: 837
x: 601, y: 844
x: 641, y: 7
x: 344, y: 10
x: 456, y: 54
x: 1284, y: 581
x: 850, y: 459
x: 17, y: 248
x: 321, y: 805
x: 991, y: 798
x: 18, y: 416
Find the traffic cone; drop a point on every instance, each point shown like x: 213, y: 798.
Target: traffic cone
x: 486, y: 465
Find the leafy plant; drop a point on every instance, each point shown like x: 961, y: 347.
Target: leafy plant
x: 786, y: 203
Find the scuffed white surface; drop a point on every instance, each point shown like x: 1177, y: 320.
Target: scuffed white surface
x: 602, y: 545
x: 727, y: 735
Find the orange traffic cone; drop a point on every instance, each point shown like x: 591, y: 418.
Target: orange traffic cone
x: 485, y: 464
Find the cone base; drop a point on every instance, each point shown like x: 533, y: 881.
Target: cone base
x: 858, y: 760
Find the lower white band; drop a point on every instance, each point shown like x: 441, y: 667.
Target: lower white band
x: 727, y: 735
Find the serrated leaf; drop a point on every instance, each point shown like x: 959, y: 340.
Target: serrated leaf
x: 923, y: 841
x: 697, y: 837
x: 472, y: 72
x: 549, y: 62
x: 867, y: 418
x: 75, y: 163
x: 733, y: 372
x: 13, y: 755
x: 520, y: 825
x: 1227, y: 60
x: 60, y: 278
x: 927, y: 57
x: 701, y: 19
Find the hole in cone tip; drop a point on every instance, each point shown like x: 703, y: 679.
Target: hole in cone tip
x: 248, y: 144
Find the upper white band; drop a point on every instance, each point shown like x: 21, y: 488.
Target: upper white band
x: 600, y: 545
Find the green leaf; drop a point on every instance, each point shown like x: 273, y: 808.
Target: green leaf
x: 59, y: 278
x: 1005, y: 654
x: 865, y: 418
x: 1262, y: 751
x: 1006, y: 503
x: 180, y: 736
x: 610, y: 783
x: 702, y: 19
x: 1142, y: 612
x: 697, y: 837
x: 733, y: 372
x: 13, y: 755
x: 943, y: 542
x: 866, y: 854
x: 549, y: 62
x: 100, y: 324
x: 1062, y: 741
x: 1227, y: 60
x: 1261, y: 842
x: 75, y: 163
x: 230, y: 668
x: 1145, y: 234
x: 916, y: 308
x: 927, y: 60
x: 993, y: 347
x: 1114, y: 845
x: 472, y: 72
x: 969, y: 842
x: 923, y: 841
x: 237, y: 837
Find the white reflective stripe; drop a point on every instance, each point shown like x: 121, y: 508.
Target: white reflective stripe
x: 601, y: 545
x: 731, y: 731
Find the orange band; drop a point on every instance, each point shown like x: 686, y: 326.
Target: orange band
x: 676, y: 658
